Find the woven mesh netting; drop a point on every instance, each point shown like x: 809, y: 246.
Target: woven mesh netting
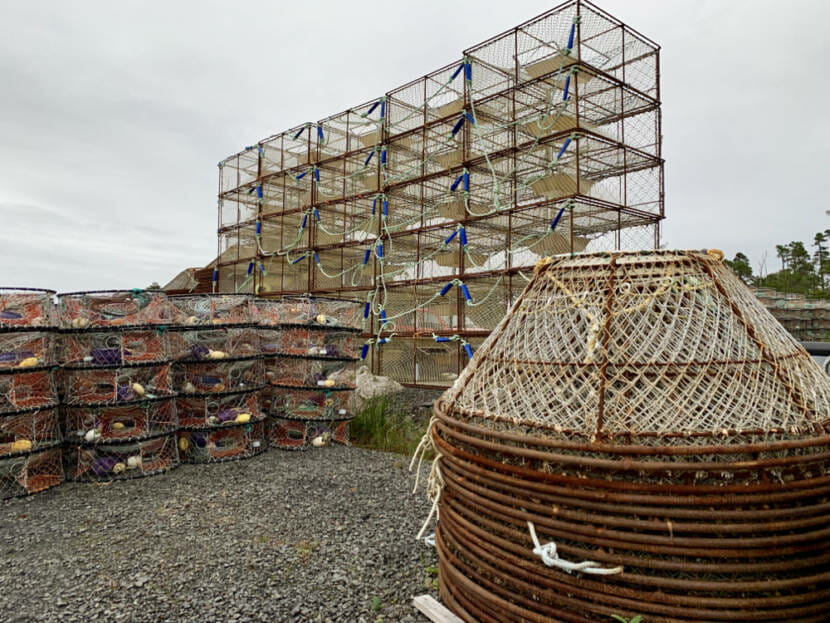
x: 213, y: 343
x: 108, y: 348
x: 637, y: 437
x: 115, y: 384
x: 24, y: 389
x: 217, y: 377
x: 132, y: 422
x: 103, y: 462
x: 29, y: 473
x: 114, y: 308
x: 319, y: 404
x: 232, y: 442
x: 21, y: 433
x: 318, y: 311
x: 287, y: 434
x: 213, y: 309
x: 307, y: 372
x: 26, y: 308
x: 26, y: 349
x: 288, y: 340
x: 218, y: 409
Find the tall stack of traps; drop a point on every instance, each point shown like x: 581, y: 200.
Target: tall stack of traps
x: 638, y: 436
x: 118, y: 413
x: 218, y: 375
x: 30, y: 440
x: 310, y: 346
x: 435, y: 199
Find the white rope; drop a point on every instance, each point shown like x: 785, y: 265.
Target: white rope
x: 550, y: 557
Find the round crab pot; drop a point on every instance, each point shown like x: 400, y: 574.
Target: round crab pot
x: 213, y: 309
x: 638, y: 436
x: 104, y: 462
x: 228, y: 443
x: 114, y: 308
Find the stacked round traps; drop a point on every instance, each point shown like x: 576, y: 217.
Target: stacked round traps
x: 30, y: 440
x: 218, y: 374
x: 310, y: 346
x: 638, y: 436
x: 118, y: 411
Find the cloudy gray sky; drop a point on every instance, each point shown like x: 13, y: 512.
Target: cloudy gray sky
x: 113, y: 115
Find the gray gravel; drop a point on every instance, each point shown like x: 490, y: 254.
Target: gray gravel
x: 324, y: 535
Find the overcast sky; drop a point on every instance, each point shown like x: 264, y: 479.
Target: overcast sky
x: 113, y: 115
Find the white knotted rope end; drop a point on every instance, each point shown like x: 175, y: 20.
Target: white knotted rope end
x: 550, y: 557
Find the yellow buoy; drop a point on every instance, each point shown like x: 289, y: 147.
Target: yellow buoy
x: 21, y: 445
x: 184, y: 444
x: 243, y: 418
x: 28, y: 362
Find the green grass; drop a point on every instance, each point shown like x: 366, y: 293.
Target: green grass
x: 383, y: 425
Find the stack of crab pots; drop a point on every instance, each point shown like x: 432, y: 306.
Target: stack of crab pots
x: 30, y: 441
x: 638, y: 439
x: 310, y: 346
x: 118, y: 413
x: 218, y: 373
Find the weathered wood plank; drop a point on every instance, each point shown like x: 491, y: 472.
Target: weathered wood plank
x: 433, y: 610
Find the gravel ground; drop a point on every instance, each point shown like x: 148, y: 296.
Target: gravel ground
x: 324, y: 535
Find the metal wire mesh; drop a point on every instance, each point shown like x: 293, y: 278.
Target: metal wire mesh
x: 540, y: 141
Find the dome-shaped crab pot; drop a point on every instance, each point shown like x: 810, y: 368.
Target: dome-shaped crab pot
x: 638, y: 436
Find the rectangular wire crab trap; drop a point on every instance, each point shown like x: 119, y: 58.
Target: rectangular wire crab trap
x: 543, y: 140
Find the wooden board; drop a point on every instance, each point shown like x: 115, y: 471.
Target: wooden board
x: 434, y: 610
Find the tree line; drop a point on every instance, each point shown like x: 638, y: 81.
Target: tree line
x: 803, y: 271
